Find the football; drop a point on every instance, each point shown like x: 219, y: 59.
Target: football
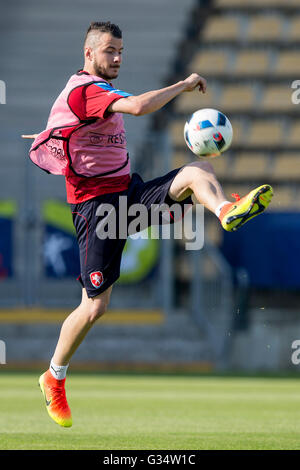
x: 208, y: 133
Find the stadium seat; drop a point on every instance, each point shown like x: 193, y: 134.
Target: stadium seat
x: 237, y: 98
x: 288, y: 63
x: 263, y: 133
x: 283, y: 198
x: 209, y: 62
x: 265, y: 28
x: 221, y: 165
x: 219, y: 28
x: 176, y: 132
x: 293, y: 33
x: 255, y: 3
x: 251, y: 62
x: 249, y: 165
x: 277, y: 98
x: 212, y: 231
x: 189, y: 102
x: 287, y: 167
x: 294, y: 134
x: 238, y: 132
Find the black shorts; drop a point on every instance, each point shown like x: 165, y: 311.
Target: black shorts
x: 100, y: 259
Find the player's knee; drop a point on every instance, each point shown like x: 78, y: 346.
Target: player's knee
x: 96, y: 311
x: 201, y: 171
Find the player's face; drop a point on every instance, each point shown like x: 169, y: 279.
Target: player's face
x: 107, y: 56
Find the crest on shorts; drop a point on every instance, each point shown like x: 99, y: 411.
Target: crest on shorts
x: 96, y: 279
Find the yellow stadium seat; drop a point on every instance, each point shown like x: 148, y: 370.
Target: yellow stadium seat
x: 288, y: 63
x: 250, y: 165
x: 209, y: 62
x: 237, y: 97
x: 255, y: 3
x: 238, y: 133
x: 190, y: 102
x: 294, y: 29
x: 176, y: 132
x: 251, y: 62
x: 218, y: 28
x: 265, y: 133
x: 287, y: 166
x: 277, y: 98
x: 294, y: 134
x: 213, y: 231
x: 221, y: 165
x: 265, y: 28
x: 283, y: 198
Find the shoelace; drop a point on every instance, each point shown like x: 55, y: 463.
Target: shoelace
x: 59, y: 396
x: 236, y: 196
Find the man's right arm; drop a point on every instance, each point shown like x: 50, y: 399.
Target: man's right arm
x: 153, y: 100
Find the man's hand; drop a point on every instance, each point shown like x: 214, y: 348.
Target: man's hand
x: 194, y: 81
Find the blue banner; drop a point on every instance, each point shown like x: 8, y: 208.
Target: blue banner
x: 268, y: 247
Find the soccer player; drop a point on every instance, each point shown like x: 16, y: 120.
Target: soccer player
x: 85, y: 141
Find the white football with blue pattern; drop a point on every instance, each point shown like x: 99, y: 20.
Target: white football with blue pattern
x: 208, y: 133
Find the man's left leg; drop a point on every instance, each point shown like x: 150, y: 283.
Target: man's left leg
x: 198, y: 178
x: 73, y: 331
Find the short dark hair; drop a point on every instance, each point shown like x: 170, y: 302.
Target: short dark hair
x: 104, y: 27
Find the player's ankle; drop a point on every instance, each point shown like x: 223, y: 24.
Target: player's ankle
x: 221, y: 207
x: 57, y: 371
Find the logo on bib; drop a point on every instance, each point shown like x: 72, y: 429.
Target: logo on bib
x: 96, y: 279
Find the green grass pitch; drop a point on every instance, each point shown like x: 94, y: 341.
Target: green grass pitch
x: 123, y: 411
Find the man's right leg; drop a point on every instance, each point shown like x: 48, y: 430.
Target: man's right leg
x: 73, y: 331
x: 199, y: 178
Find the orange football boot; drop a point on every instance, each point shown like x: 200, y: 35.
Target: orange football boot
x: 55, y: 398
x: 234, y: 214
